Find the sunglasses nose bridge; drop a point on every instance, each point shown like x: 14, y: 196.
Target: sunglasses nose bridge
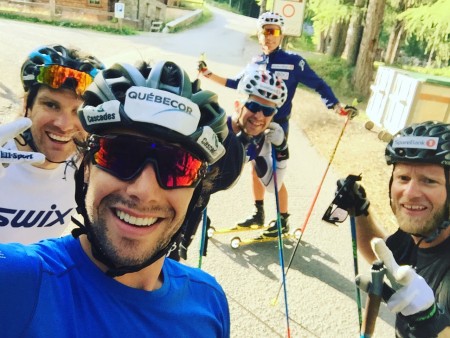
x: 145, y: 183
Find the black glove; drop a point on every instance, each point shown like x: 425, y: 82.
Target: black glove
x: 352, y: 111
x: 351, y: 196
x: 203, y: 68
x: 348, y: 111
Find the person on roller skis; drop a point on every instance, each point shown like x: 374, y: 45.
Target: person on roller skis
x: 252, y: 125
x: 293, y: 70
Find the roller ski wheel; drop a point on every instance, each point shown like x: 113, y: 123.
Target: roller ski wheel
x: 235, y: 242
x: 211, y: 231
x: 297, y: 233
x: 369, y: 125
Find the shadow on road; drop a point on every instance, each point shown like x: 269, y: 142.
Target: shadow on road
x: 308, y: 260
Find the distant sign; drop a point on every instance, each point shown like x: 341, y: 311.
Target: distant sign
x: 119, y: 10
x: 293, y: 13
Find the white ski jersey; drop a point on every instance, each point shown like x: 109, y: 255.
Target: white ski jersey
x: 35, y: 203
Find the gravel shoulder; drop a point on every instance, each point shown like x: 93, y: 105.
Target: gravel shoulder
x: 360, y: 151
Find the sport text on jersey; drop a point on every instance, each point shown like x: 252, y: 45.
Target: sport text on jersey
x: 17, y: 218
x: 15, y: 156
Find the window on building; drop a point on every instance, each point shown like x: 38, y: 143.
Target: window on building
x: 94, y: 2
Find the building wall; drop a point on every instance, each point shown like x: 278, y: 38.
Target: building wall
x: 144, y: 12
x: 89, y: 4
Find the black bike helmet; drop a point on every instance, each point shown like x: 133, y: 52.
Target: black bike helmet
x: 56, y: 55
x: 425, y: 142
x: 161, y: 105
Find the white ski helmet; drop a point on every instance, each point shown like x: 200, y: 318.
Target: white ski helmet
x: 270, y: 18
x: 264, y: 84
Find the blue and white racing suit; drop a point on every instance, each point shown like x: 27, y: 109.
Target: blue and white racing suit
x: 292, y: 69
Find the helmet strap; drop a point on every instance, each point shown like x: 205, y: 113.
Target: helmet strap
x: 96, y: 248
x: 28, y: 140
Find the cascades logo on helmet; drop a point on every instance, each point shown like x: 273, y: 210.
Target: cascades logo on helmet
x: 418, y: 142
x: 105, y: 113
x: 155, y: 106
x: 208, y: 140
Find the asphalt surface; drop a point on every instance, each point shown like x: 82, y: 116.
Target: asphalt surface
x: 320, y: 288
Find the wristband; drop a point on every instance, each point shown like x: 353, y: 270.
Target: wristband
x: 282, y: 146
x: 282, y: 155
x: 422, y: 315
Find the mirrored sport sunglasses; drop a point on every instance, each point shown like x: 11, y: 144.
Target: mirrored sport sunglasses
x: 125, y: 156
x: 55, y: 76
x: 255, y: 107
x: 271, y: 31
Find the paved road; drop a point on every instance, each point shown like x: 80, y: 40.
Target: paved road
x: 320, y: 288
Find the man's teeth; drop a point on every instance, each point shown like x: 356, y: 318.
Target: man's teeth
x: 138, y: 221
x: 414, y: 207
x: 59, y: 138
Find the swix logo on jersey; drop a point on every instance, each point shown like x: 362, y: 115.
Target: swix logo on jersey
x: 301, y: 64
x: 17, y: 218
x: 15, y: 156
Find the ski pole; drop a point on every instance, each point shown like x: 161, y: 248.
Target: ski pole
x: 203, y: 238
x: 280, y: 239
x: 355, y: 267
x: 334, y: 214
x: 308, y: 215
x: 374, y: 297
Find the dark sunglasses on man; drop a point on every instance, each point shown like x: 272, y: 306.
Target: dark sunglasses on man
x: 255, y: 107
x: 125, y: 156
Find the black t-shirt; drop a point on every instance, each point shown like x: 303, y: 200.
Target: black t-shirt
x: 433, y: 264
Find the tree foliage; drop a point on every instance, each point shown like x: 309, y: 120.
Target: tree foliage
x: 326, y: 13
x: 430, y: 23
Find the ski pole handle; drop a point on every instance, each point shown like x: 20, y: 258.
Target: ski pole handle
x: 364, y: 284
x: 373, y: 302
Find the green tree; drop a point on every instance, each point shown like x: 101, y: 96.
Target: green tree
x: 354, y: 33
x: 369, y: 45
x: 430, y: 23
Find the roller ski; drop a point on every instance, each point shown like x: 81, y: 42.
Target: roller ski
x: 254, y: 222
x: 269, y: 235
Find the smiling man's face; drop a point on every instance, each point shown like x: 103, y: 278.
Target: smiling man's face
x: 418, y: 197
